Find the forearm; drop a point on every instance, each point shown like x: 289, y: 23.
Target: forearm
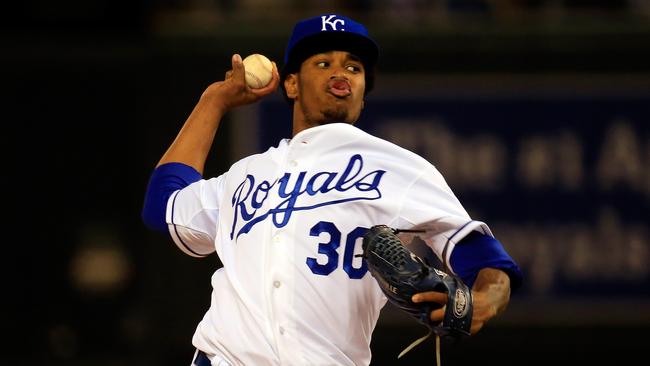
x: 194, y: 141
x: 493, y: 286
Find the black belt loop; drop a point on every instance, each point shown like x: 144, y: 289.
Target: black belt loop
x: 202, y: 359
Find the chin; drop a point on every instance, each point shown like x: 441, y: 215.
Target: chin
x: 338, y: 115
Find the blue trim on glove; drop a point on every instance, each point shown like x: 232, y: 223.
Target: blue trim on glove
x: 477, y: 251
x: 165, y: 180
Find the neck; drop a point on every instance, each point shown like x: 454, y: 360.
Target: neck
x: 302, y: 121
x: 298, y: 127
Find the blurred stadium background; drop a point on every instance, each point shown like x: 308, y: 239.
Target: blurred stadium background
x: 537, y: 112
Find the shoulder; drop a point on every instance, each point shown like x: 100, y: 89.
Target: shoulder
x: 406, y: 161
x: 270, y: 154
x: 343, y: 135
x: 395, y: 152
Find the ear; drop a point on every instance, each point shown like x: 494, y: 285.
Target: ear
x: 291, y: 86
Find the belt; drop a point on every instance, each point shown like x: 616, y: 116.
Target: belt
x: 202, y: 359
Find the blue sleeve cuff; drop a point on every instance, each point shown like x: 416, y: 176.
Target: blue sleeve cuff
x: 165, y: 180
x: 477, y: 251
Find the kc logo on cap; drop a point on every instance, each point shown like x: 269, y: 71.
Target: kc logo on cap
x: 332, y: 21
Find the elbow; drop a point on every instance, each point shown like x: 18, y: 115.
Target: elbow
x: 164, y: 180
x: 477, y: 252
x: 153, y: 214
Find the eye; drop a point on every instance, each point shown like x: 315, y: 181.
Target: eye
x: 322, y: 64
x: 353, y: 68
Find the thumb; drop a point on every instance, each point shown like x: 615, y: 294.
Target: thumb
x: 238, y: 72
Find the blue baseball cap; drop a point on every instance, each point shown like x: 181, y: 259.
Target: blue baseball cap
x: 330, y: 32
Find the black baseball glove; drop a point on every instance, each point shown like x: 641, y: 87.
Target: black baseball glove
x: 401, y: 274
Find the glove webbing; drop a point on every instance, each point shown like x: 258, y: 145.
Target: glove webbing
x: 424, y: 338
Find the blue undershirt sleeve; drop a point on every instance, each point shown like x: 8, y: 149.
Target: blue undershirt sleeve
x: 165, y: 180
x: 477, y: 251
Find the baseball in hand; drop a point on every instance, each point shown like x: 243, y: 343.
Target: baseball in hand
x: 259, y: 70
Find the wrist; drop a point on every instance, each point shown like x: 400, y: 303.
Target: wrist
x: 213, y: 100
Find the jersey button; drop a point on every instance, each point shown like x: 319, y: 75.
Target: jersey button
x: 276, y: 239
x: 281, y: 330
x: 277, y: 284
x: 294, y: 163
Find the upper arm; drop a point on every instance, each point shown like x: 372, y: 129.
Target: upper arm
x: 179, y: 202
x: 192, y: 216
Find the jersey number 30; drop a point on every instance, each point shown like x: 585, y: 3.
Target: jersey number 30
x: 329, y: 249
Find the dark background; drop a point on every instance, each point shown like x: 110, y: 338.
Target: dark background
x: 94, y: 92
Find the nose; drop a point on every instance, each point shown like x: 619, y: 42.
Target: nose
x: 339, y: 72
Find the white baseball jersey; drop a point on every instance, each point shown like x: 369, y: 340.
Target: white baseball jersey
x: 287, y: 225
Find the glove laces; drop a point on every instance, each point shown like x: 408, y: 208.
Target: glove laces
x: 420, y: 340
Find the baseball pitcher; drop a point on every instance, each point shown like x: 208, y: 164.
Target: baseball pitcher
x: 311, y: 231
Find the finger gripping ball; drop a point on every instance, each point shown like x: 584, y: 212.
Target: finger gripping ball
x: 259, y: 70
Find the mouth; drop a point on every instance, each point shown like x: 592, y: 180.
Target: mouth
x: 339, y: 88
